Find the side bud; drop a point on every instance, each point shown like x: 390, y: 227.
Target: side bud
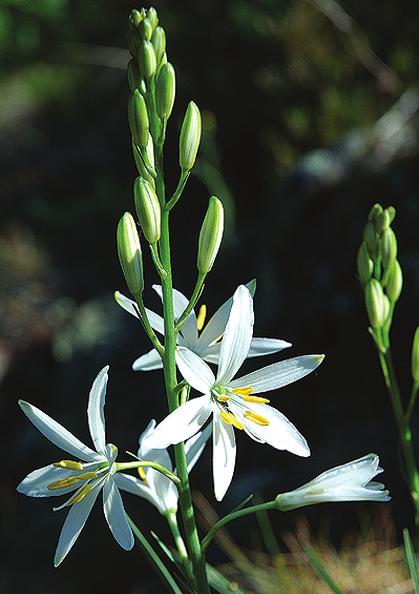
x: 158, y: 39
x: 147, y: 60
x: 388, y: 247
x: 145, y: 29
x: 147, y: 207
x: 190, y: 137
x: 394, y: 282
x: 364, y: 264
x: 138, y: 118
x: 415, y: 357
x: 134, y: 77
x: 371, y: 239
x: 210, y: 235
x: 165, y: 91
x: 129, y: 253
x: 374, y: 302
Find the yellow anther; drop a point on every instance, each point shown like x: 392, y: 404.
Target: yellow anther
x: 223, y: 397
x: 200, y: 320
x: 141, y: 474
x: 230, y: 419
x: 258, y: 419
x: 245, y: 391
x: 86, y: 476
x: 69, y: 464
x: 80, y: 495
x: 68, y: 482
x: 256, y: 399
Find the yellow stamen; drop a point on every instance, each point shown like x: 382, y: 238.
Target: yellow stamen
x: 256, y: 399
x: 69, y: 464
x: 86, y: 476
x: 141, y: 474
x: 226, y: 417
x: 230, y: 419
x: 200, y: 320
x: 222, y: 397
x: 258, y: 419
x: 245, y: 391
x: 81, y: 495
x: 68, y: 482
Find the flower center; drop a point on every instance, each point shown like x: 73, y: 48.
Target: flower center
x: 222, y: 395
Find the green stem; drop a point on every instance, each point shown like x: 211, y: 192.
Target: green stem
x: 179, y: 542
x: 199, y: 285
x: 412, y: 401
x: 234, y: 516
x: 157, y: 262
x: 147, y: 327
x: 179, y: 189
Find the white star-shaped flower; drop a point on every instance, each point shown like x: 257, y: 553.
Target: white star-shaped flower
x: 84, y: 477
x: 205, y: 343
x: 233, y: 402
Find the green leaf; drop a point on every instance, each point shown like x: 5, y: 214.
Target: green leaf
x: 221, y: 584
x: 411, y: 559
x: 320, y: 569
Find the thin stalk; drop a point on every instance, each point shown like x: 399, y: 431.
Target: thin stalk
x: 147, y: 327
x: 179, y: 189
x: 147, y: 464
x: 180, y: 544
x: 156, y: 261
x: 199, y: 286
x: 412, y: 401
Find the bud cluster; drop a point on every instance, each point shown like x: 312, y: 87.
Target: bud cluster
x: 379, y: 271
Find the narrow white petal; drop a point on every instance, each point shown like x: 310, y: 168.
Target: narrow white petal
x: 195, y: 446
x: 279, y: 374
x: 57, y: 434
x: 161, y: 456
x: 237, y: 337
x: 266, y: 346
x: 211, y: 354
x: 357, y: 472
x: 181, y: 424
x: 115, y: 515
x: 223, y: 456
x: 180, y: 303
x: 36, y: 483
x: 148, y: 362
x: 74, y: 523
x: 156, y: 321
x: 95, y: 412
x: 194, y: 370
x: 135, y: 486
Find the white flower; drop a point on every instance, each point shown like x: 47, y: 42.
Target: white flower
x: 348, y: 482
x: 155, y: 486
x: 206, y: 344
x: 83, y: 479
x: 233, y: 403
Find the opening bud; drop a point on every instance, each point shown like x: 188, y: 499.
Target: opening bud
x: 138, y: 118
x: 388, y: 247
x: 147, y: 59
x: 190, y: 137
x: 129, y: 252
x: 147, y: 207
x: 165, y: 90
x: 415, y: 356
x: 364, y: 264
x: 210, y: 235
x: 145, y: 29
x: 134, y: 77
x: 374, y: 302
x: 153, y: 16
x: 158, y: 40
x: 394, y: 282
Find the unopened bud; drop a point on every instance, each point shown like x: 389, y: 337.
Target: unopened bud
x: 139, y: 162
x: 190, y: 137
x: 138, y: 118
x: 158, y: 40
x: 374, y: 302
x: 129, y: 252
x: 147, y: 59
x: 153, y: 17
x: 415, y: 357
x: 210, y: 235
x: 364, y: 264
x: 376, y: 210
x: 391, y: 212
x: 135, y: 18
x: 147, y: 206
x: 394, y: 282
x: 134, y: 77
x: 388, y: 247
x: 371, y: 239
x: 133, y: 43
x: 145, y: 29
x: 165, y: 91
x: 382, y: 221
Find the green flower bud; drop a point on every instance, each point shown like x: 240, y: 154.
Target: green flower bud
x: 134, y: 77
x: 133, y: 43
x: 153, y: 17
x: 371, y: 239
x: 138, y: 118
x: 382, y: 221
x: 147, y: 59
x: 129, y: 252
x: 364, y: 264
x: 139, y: 161
x: 374, y: 302
x: 190, y: 137
x: 135, y: 18
x: 165, y: 91
x: 147, y: 206
x: 386, y: 307
x: 391, y: 212
x: 210, y: 235
x: 374, y: 212
x: 388, y: 247
x: 394, y: 282
x: 158, y: 40
x: 145, y: 29
x: 415, y: 357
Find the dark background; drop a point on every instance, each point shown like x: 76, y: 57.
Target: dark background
x: 309, y: 118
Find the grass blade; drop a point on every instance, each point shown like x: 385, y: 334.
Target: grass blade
x: 411, y: 559
x: 320, y: 569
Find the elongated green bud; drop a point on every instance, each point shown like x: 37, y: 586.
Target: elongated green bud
x: 374, y: 302
x: 153, y: 17
x: 382, y: 221
x: 147, y: 206
x: 415, y: 357
x: 134, y: 77
x: 394, y: 282
x: 133, y: 43
x: 388, y: 247
x: 364, y: 264
x: 158, y: 40
x: 375, y: 211
x: 165, y: 91
x: 147, y: 59
x: 135, y: 18
x: 138, y: 118
x: 190, y: 137
x: 371, y: 239
x: 129, y: 252
x: 210, y: 235
x: 142, y: 170
x: 145, y: 29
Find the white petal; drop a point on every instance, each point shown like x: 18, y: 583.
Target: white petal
x: 36, y: 483
x: 148, y: 362
x: 236, y: 341
x: 95, y: 413
x: 194, y: 370
x: 161, y: 456
x: 156, y: 321
x: 223, y: 456
x: 180, y: 424
x: 161, y: 500
x: 180, y: 303
x: 57, y: 434
x: 266, y: 346
x: 358, y: 472
x: 195, y: 446
x: 115, y: 515
x: 279, y: 374
x: 211, y: 353
x: 74, y: 522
